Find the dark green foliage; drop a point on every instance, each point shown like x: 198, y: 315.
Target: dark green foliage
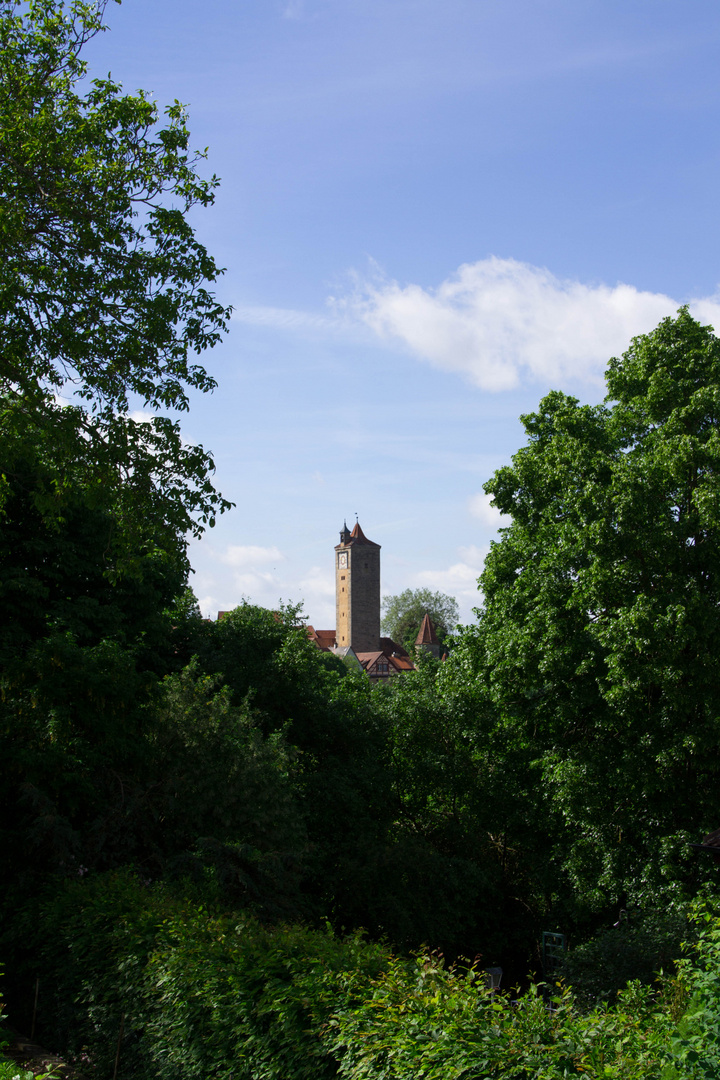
x: 189, y: 992
x: 202, y: 993
x: 80, y: 651
x: 440, y: 869
x: 341, y: 775
x: 225, y: 798
x: 222, y: 778
x: 639, y: 947
x: 57, y: 569
x: 266, y: 657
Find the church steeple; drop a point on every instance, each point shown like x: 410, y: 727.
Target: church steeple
x: 344, y: 534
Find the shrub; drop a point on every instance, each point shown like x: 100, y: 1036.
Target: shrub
x: 188, y: 991
x: 421, y: 1020
x: 636, y: 949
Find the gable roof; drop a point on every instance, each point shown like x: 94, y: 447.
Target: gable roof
x: 369, y: 659
x: 391, y: 648
x: 398, y: 663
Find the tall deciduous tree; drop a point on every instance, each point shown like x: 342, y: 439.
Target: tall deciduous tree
x: 103, y: 285
x: 403, y: 614
x: 599, y: 636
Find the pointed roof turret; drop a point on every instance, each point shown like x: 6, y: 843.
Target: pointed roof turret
x: 357, y: 536
x: 427, y: 635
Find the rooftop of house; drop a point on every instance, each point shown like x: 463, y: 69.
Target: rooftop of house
x: 391, y: 648
x: 324, y: 639
x: 372, y: 660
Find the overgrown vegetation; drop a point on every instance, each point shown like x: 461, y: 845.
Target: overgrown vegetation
x: 196, y: 818
x: 163, y: 981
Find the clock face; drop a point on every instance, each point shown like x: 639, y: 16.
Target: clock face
x: 342, y: 560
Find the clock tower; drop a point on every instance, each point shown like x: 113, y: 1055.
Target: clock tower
x: 357, y: 591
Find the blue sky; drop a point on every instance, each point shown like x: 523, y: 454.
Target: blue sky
x: 431, y: 213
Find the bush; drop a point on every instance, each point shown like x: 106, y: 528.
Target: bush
x: 636, y: 949
x: 191, y: 993
x: 696, y: 1046
x: 421, y: 1020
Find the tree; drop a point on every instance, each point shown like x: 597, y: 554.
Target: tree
x: 598, y: 638
x: 403, y: 615
x: 103, y: 285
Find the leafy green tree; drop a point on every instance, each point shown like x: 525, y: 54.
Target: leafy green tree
x: 103, y: 286
x: 597, y: 641
x: 403, y: 615
x: 79, y: 657
x: 104, y: 309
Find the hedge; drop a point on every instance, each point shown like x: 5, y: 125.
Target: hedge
x: 186, y: 992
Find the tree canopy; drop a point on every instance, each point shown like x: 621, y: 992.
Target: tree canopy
x: 104, y: 299
x: 598, y: 638
x: 403, y: 614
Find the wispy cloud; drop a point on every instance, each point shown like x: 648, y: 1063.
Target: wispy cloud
x: 249, y: 556
x: 293, y: 9
x: 500, y: 322
x: 283, y: 318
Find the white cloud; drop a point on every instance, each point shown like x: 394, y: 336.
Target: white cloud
x: 255, y: 583
x: 249, y: 556
x: 142, y: 416
x: 499, y: 321
x: 317, y: 592
x: 489, y: 516
x: 474, y: 556
x: 459, y: 580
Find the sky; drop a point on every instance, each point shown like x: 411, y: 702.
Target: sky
x: 431, y: 213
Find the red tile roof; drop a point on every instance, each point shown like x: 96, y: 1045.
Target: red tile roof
x: 357, y: 536
x: 427, y: 635
x: 324, y: 639
x: 368, y: 659
x: 402, y: 663
x: 389, y: 647
x: 398, y: 663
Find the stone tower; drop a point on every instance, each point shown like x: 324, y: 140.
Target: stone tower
x: 357, y: 591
